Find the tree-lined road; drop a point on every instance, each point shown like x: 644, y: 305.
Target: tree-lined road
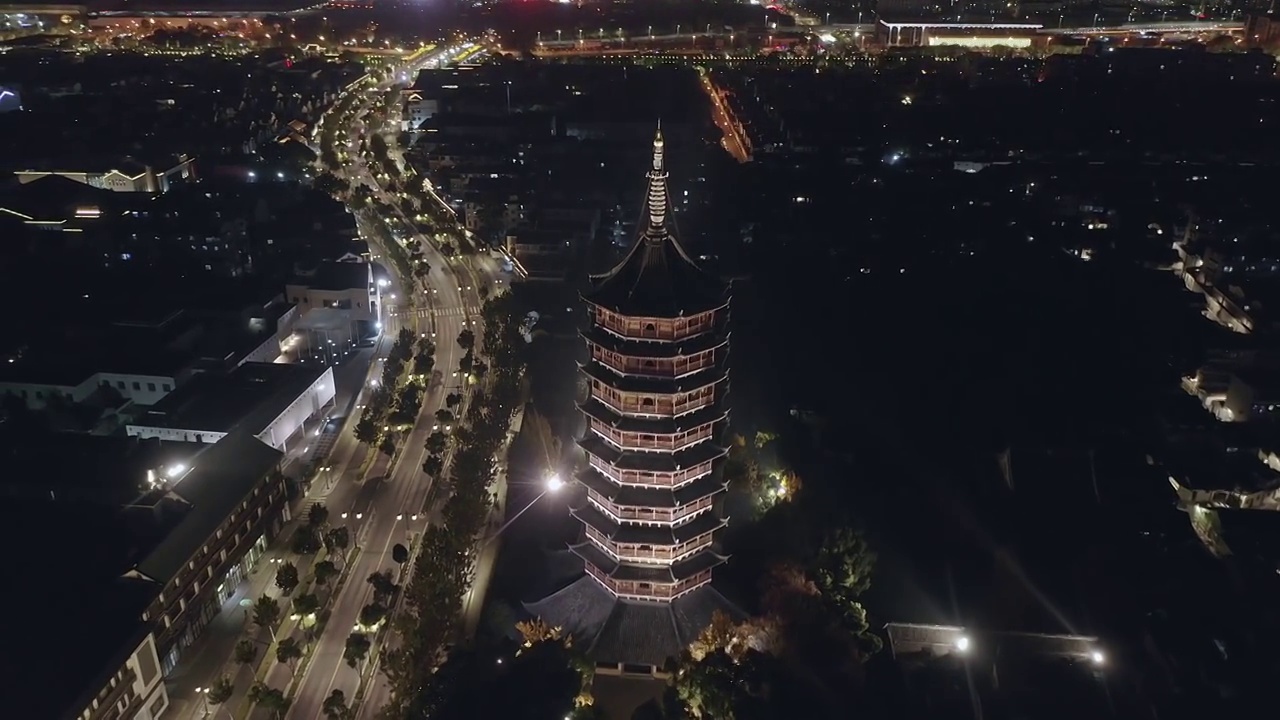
x: 382, y: 510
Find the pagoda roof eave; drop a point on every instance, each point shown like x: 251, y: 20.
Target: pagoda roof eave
x: 656, y: 462
x: 631, y: 496
x: 655, y: 348
x: 687, y: 308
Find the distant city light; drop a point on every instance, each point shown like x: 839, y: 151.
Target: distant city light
x: 962, y: 644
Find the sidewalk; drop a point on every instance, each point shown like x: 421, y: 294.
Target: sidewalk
x: 205, y: 660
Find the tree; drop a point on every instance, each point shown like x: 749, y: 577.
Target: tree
x: 383, y: 586
x: 387, y: 446
x: 367, y: 430
x: 288, y: 651
x: 318, y: 515
x: 246, y: 652
x: 337, y: 540
x: 436, y: 442
x: 287, y: 577
x: 221, y: 691
x: 423, y: 364
x: 269, y: 699
x: 467, y: 362
x: 324, y: 571
x: 357, y: 648
x: 467, y: 340
x: 399, y: 553
x: 372, y: 614
x: 335, y: 706
x: 433, y: 466
x: 305, y: 541
x: 479, y: 369
x: 266, y: 613
x: 718, y: 686
x: 536, y: 630
x: 307, y: 603
x: 444, y: 416
x: 453, y: 400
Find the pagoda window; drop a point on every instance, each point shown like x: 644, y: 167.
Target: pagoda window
x: 650, y: 330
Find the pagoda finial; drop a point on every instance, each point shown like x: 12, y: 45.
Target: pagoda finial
x: 656, y: 199
x: 657, y: 148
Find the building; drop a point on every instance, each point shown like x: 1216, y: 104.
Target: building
x: 232, y: 500
x: 125, y: 175
x: 270, y: 401
x: 343, y: 290
x: 934, y: 671
x: 965, y: 34
x: 656, y: 372
x: 418, y: 109
x: 543, y: 247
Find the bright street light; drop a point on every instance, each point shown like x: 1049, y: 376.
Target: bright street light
x: 1097, y: 657
x: 554, y: 483
x: 962, y: 644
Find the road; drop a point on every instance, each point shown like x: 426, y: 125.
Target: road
x: 735, y: 138
x: 387, y: 510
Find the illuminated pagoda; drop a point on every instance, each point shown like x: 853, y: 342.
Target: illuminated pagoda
x: 654, y: 408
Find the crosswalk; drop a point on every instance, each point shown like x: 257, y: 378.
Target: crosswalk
x: 439, y: 312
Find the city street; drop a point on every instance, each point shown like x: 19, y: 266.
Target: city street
x: 381, y: 500
x: 391, y: 509
x: 735, y: 138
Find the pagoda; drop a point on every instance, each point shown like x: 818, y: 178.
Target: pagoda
x: 654, y: 409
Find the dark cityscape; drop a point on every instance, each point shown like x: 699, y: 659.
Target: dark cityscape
x: 647, y: 360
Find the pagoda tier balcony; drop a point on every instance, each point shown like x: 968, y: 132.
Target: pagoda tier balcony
x: 649, y: 544
x: 717, y: 336
x: 648, y: 582
x: 651, y: 504
x: 656, y: 403
x: 709, y: 374
x: 606, y: 416
x: 645, y: 442
x: 659, y: 329
x: 649, y: 366
x: 614, y: 463
x: 649, y: 478
x: 646, y: 554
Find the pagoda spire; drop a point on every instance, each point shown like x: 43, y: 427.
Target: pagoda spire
x: 657, y: 201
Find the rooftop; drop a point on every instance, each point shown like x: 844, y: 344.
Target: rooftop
x: 332, y: 275
x: 657, y: 278
x: 72, y: 467
x: 219, y: 479
x: 621, y: 631
x: 248, y: 398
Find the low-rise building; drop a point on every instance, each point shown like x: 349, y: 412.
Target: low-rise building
x: 152, y: 540
x: 270, y: 401
x: 123, y: 175
x: 348, y: 287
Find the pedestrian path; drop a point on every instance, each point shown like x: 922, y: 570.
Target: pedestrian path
x: 439, y: 312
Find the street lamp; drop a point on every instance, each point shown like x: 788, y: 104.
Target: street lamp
x: 203, y: 692
x: 552, y: 484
